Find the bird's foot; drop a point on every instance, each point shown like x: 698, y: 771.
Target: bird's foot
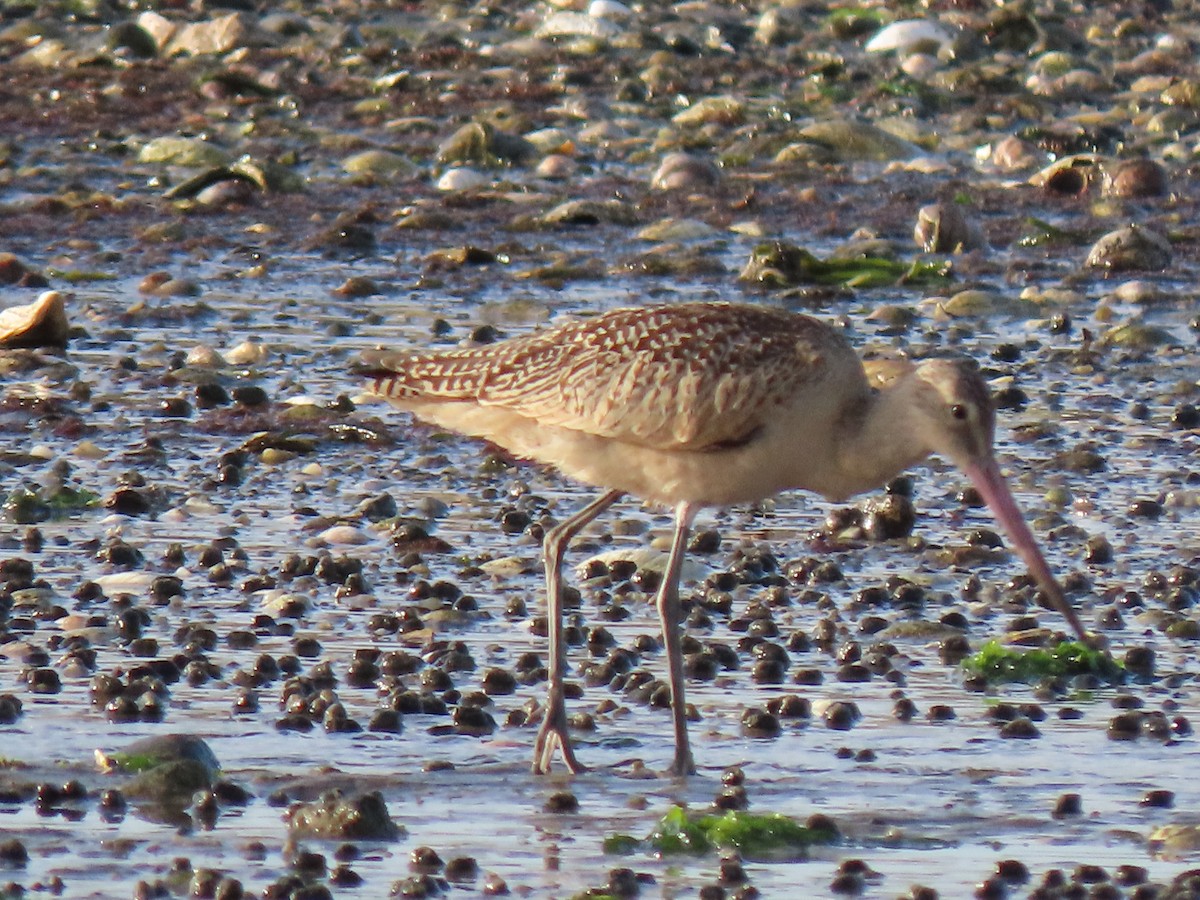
x: 683, y: 764
x: 553, y: 735
x: 1096, y: 642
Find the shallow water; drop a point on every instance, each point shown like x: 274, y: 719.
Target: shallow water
x: 939, y: 805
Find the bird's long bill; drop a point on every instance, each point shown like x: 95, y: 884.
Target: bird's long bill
x: 991, y: 485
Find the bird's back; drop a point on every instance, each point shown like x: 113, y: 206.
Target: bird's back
x: 692, y: 376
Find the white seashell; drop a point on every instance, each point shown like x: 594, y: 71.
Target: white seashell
x: 282, y: 603
x: 125, y: 582
x: 198, y: 505
x: 920, y: 65
x: 577, y: 25
x: 42, y: 323
x: 556, y: 166
x: 608, y: 9
x: 907, y: 34
x: 671, y: 229
x: 205, y: 356
x: 461, y: 178
x: 88, y: 450
x: 549, y: 140
x: 345, y: 534
x: 507, y: 567
x: 247, y: 353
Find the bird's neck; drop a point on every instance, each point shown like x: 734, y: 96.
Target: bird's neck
x: 881, y: 437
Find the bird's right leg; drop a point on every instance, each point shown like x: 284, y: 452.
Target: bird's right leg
x: 670, y: 614
x: 553, y: 732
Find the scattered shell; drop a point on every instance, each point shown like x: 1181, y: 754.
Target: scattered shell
x: 1071, y: 175
x: 721, y: 110
x: 157, y: 26
x: 578, y: 25
x: 1012, y: 153
x: 590, y: 212
x: 1137, y: 178
x: 1138, y: 336
x: 181, y: 151
x: 975, y: 302
x: 125, y: 582
x: 1142, y: 292
x: 608, y: 9
x: 1175, y: 840
x: 247, y: 353
x: 944, y: 228
x: 480, y: 143
x: 344, y: 534
x: 920, y: 66
x: 506, y: 566
x: 1130, y: 248
x: 42, y: 323
x: 204, y: 356
x: 380, y: 163
x: 219, y: 35
x: 461, y: 178
x: 550, y: 140
x: 237, y: 182
x: 847, y: 140
x: 908, y: 35
x: 683, y: 171
x: 556, y: 167
x: 676, y: 230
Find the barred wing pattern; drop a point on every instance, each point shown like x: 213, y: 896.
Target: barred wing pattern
x: 687, y: 377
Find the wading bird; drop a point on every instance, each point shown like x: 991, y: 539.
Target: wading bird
x: 697, y: 405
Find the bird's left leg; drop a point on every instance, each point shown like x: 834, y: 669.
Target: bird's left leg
x: 553, y: 732
x: 670, y: 615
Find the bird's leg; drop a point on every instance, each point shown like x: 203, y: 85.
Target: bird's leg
x: 669, y: 614
x: 553, y: 732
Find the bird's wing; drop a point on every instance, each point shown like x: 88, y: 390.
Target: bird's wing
x: 688, y: 377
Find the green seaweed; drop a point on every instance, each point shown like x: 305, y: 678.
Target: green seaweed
x: 999, y: 664
x: 780, y: 264
x: 151, y: 753
x: 67, y: 500
x: 850, y: 22
x: 621, y: 844
x: 26, y: 506
x: 756, y: 836
x: 80, y: 276
x: 1040, y: 233
x: 136, y: 762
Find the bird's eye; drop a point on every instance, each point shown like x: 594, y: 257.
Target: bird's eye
x: 958, y: 411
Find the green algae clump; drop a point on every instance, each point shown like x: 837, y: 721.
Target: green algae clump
x: 756, y: 836
x: 999, y: 664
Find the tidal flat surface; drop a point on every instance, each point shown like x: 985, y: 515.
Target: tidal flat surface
x: 211, y: 531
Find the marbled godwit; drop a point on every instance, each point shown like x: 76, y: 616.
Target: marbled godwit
x: 695, y: 405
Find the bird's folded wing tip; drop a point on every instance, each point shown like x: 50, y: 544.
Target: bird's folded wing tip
x: 372, y: 364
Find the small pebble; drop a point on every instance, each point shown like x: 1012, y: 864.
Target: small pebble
x: 1159, y: 798
x: 1021, y: 729
x: 561, y: 802
x: 1067, y: 805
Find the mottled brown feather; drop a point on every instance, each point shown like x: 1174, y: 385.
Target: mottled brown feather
x: 684, y: 377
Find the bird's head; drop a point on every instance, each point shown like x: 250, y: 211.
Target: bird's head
x: 956, y: 405
x: 959, y: 423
